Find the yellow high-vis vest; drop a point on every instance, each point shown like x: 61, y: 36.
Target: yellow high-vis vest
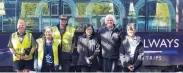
x: 66, y: 38
x: 19, y: 47
x: 41, y: 45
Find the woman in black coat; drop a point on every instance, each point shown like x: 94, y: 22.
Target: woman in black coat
x: 88, y: 49
x: 131, y: 51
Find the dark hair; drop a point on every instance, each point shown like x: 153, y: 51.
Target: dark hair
x: 86, y: 26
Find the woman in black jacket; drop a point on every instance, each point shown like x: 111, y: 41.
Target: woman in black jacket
x: 88, y: 49
x: 131, y: 51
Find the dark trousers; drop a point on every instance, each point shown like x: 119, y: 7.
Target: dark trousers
x: 65, y: 64
x: 65, y: 61
x: 47, y: 68
x: 75, y: 69
x: 110, y: 65
x: 89, y: 68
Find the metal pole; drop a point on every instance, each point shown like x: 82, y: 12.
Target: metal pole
x: 16, y: 13
x: 177, y: 15
x: 2, y: 23
x: 61, y: 7
x: 49, y: 6
x: 2, y: 15
x: 146, y: 16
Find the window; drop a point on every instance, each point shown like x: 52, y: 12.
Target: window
x: 54, y: 8
x: 67, y: 9
x: 154, y: 16
x: 9, y: 18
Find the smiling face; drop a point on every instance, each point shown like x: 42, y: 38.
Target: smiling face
x: 109, y: 22
x: 21, y: 26
x: 89, y: 31
x: 48, y: 33
x: 131, y: 30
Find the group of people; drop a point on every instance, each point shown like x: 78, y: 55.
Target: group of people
x: 61, y: 49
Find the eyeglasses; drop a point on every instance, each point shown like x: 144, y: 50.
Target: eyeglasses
x: 63, y: 19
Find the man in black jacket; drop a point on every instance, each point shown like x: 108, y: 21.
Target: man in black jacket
x: 109, y: 38
x: 131, y: 50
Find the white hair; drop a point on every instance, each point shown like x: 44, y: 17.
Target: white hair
x: 110, y: 15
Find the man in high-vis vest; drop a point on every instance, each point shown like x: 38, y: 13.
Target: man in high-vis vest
x: 46, y: 56
x: 22, y: 45
x: 65, y: 33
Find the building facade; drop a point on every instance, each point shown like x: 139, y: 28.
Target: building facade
x: 149, y: 15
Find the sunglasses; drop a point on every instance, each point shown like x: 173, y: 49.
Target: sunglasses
x: 63, y: 19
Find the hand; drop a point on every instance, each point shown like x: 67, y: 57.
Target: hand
x: 56, y: 68
x: 88, y: 61
x: 18, y: 56
x: 131, y: 67
x: 35, y: 68
x: 24, y: 56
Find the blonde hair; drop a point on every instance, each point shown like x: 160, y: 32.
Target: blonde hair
x: 45, y: 28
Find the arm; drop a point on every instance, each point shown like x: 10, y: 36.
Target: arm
x: 30, y: 51
x: 74, y: 42
x: 123, y: 58
x: 12, y: 51
x: 81, y: 48
x: 10, y: 45
x: 36, y: 59
x: 33, y: 46
x: 140, y: 56
x: 96, y: 52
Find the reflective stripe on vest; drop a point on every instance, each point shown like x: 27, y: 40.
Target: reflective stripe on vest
x: 20, y: 46
x: 67, y: 37
x: 41, y: 51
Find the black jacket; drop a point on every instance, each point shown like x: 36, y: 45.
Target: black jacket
x: 110, y: 41
x: 125, y: 59
x: 75, y: 54
x: 87, y: 48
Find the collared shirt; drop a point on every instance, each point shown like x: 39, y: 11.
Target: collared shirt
x: 133, y: 44
x: 21, y: 36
